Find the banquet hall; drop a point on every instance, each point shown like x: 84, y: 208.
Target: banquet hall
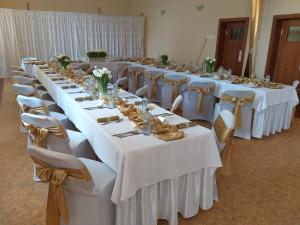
x: 158, y: 112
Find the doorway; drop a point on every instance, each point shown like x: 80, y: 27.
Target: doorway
x: 283, y: 63
x: 231, y: 44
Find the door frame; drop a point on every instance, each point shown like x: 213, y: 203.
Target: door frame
x: 274, y: 41
x: 221, y: 33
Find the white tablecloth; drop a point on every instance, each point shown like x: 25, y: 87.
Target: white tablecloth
x: 139, y: 160
x: 273, y: 107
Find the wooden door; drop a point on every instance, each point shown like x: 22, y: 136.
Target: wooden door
x: 231, y: 45
x: 287, y: 67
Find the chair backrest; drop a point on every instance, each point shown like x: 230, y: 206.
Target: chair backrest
x: 59, y: 160
x: 296, y: 84
x: 21, y: 89
x: 22, y: 80
x: 176, y: 103
x: 122, y: 81
x: 41, y: 121
x: 30, y: 102
x: 142, y: 91
x: 19, y: 73
x: 200, y: 84
x: 224, y: 121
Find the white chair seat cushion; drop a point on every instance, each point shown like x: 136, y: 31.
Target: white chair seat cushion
x: 79, y: 145
x: 63, y: 119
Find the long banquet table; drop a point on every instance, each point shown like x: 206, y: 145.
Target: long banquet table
x: 148, y: 169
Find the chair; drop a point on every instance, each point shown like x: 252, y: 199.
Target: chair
x: 135, y: 78
x: 22, y: 80
x: 241, y: 104
x: 82, y: 188
x: 50, y: 133
x: 199, y: 101
x: 30, y: 91
x: 37, y: 106
x: 176, y: 103
x: 154, y: 78
x: 122, y: 82
x: 141, y: 92
x: 122, y: 70
x: 16, y: 68
x: 19, y: 73
x: 174, y: 85
x: 295, y: 85
x: 223, y: 128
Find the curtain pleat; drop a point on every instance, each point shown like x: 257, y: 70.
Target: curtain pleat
x: 46, y: 34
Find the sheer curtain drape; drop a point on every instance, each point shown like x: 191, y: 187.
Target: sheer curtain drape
x: 46, y: 34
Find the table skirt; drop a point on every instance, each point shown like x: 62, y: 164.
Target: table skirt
x: 165, y: 199
x: 271, y: 120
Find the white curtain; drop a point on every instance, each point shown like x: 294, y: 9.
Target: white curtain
x: 46, y: 34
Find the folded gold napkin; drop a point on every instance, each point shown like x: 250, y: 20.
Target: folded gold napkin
x: 170, y: 135
x: 108, y: 119
x: 186, y: 125
x: 69, y: 86
x: 57, y: 78
x: 81, y: 99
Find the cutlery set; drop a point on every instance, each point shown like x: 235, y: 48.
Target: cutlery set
x: 96, y: 107
x: 128, y: 134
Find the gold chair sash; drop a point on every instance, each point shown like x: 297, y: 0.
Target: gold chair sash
x: 123, y: 71
x: 175, y: 84
x: 238, y: 102
x: 34, y: 110
x: 153, y: 79
x: 224, y: 135
x: 136, y: 75
x: 39, y: 135
x: 201, y: 91
x: 56, y: 204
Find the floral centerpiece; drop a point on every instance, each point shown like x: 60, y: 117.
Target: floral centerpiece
x: 209, y: 64
x: 164, y: 59
x: 102, y: 76
x: 96, y: 55
x: 64, y: 60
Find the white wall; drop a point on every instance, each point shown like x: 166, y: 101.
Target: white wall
x: 181, y: 31
x: 271, y: 8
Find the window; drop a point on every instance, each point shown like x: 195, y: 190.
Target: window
x: 237, y: 33
x: 294, y: 34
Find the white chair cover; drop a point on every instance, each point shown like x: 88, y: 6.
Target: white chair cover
x: 19, y: 73
x: 167, y: 90
x: 33, y: 102
x: 141, y: 92
x: 135, y: 82
x: 75, y: 144
x: 22, y: 80
x: 88, y: 202
x: 159, y: 82
x: 296, y: 84
x: 122, y: 69
x: 122, y: 82
x: 21, y: 89
x: 190, y: 102
x: 246, y: 110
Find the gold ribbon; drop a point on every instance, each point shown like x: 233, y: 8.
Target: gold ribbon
x: 153, y: 79
x: 238, y: 102
x: 56, y: 204
x: 175, y: 84
x: 201, y: 91
x: 34, y: 110
x: 123, y: 71
x: 136, y: 75
x: 39, y: 135
x: 224, y: 135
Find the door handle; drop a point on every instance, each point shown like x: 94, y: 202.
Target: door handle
x: 240, y: 56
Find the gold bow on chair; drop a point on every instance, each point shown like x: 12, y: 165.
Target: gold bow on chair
x: 175, y: 84
x: 136, y: 75
x: 224, y: 135
x: 39, y: 135
x: 201, y: 91
x: 123, y: 71
x: 153, y: 79
x: 56, y: 204
x: 34, y: 110
x: 238, y: 102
